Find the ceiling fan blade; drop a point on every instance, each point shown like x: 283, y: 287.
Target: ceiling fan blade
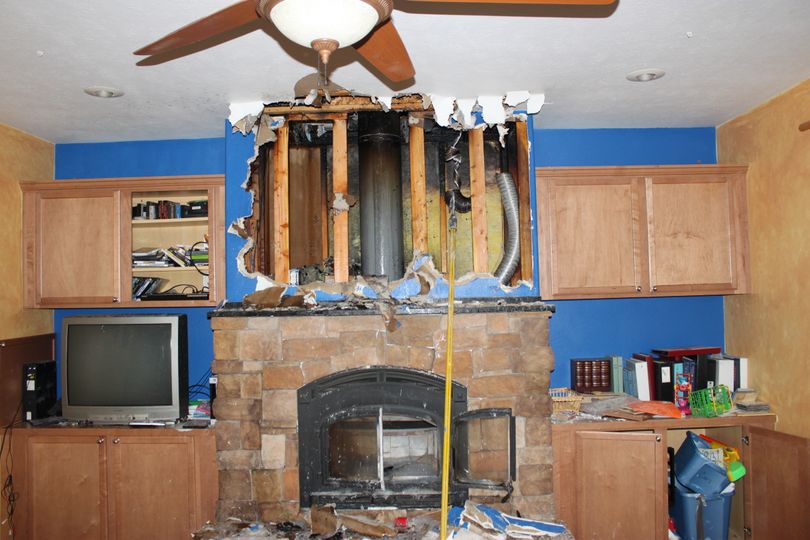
x: 383, y: 49
x: 526, y: 2
x: 217, y: 23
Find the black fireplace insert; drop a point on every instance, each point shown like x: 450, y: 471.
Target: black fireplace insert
x: 373, y: 437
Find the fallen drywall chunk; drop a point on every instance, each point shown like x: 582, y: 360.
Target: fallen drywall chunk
x: 492, y: 109
x: 491, y: 523
x: 443, y: 108
x: 367, y: 527
x: 323, y: 520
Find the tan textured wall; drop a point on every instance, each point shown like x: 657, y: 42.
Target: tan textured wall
x: 771, y: 326
x: 23, y: 158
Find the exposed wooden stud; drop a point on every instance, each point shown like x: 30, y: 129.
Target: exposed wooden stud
x: 324, y: 207
x: 281, y: 205
x: 443, y: 231
x: 418, y: 188
x: 340, y: 185
x: 478, y: 193
x: 524, y: 203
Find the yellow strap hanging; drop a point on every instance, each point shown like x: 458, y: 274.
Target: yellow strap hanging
x: 448, y: 374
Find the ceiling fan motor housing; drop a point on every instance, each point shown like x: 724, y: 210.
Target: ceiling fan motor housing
x: 308, y: 21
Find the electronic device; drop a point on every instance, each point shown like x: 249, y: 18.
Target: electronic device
x: 124, y: 368
x: 38, y: 390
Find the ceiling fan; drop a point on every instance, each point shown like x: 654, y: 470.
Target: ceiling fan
x: 325, y: 25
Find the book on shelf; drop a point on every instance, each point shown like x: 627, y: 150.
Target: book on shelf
x: 637, y: 381
x: 648, y: 362
x: 664, y: 380
x: 696, y: 364
x: 730, y: 368
x: 590, y: 375
x: 616, y: 374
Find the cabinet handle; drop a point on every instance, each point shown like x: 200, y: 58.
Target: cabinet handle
x: 655, y: 289
x: 116, y: 299
x: 100, y: 439
x: 116, y: 440
x: 638, y: 288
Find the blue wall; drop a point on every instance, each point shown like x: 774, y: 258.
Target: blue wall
x: 580, y: 328
x: 147, y: 158
x: 588, y: 328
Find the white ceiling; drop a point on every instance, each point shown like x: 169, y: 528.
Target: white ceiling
x: 740, y: 53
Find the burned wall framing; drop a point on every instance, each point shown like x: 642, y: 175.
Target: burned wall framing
x: 424, y: 210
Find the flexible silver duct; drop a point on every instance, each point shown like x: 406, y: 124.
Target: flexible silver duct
x: 511, y: 248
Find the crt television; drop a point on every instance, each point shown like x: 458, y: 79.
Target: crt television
x: 124, y: 368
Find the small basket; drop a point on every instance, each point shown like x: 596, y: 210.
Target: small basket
x: 564, y: 399
x: 710, y: 402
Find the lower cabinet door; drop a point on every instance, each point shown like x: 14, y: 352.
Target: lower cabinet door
x: 153, y: 487
x: 63, y: 489
x: 620, y: 486
x: 779, y: 477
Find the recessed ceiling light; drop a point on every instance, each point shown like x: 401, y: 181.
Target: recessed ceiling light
x: 103, y: 91
x: 645, y: 75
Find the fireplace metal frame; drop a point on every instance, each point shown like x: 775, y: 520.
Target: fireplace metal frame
x: 400, y: 391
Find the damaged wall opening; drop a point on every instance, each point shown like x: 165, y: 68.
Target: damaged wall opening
x: 355, y: 194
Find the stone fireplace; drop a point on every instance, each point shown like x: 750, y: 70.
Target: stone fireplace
x: 270, y: 363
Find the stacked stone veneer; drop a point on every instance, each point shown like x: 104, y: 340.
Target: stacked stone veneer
x: 502, y: 358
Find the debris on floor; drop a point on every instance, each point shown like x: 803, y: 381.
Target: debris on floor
x: 471, y: 522
x: 484, y: 522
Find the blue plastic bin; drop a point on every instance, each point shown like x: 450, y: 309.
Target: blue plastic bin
x: 696, y: 471
x: 690, y: 508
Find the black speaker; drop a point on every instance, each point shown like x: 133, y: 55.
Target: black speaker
x: 39, y: 390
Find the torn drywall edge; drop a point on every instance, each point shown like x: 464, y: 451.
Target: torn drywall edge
x: 384, y: 101
x: 443, y: 109
x: 535, y: 103
x: 464, y: 113
x: 411, y: 287
x: 515, y: 98
x: 492, y: 109
x: 243, y: 116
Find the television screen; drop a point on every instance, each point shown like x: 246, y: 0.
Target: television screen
x: 124, y: 367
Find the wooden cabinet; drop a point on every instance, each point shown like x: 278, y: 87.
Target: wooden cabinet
x: 115, y: 483
x: 610, y: 478
x: 642, y: 231
x: 78, y: 237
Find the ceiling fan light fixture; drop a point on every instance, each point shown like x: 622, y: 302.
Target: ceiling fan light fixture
x: 344, y: 21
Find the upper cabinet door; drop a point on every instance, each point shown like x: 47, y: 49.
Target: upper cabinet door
x: 592, y: 241
x: 695, y: 233
x: 71, y: 242
x: 642, y: 231
x: 78, y: 238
